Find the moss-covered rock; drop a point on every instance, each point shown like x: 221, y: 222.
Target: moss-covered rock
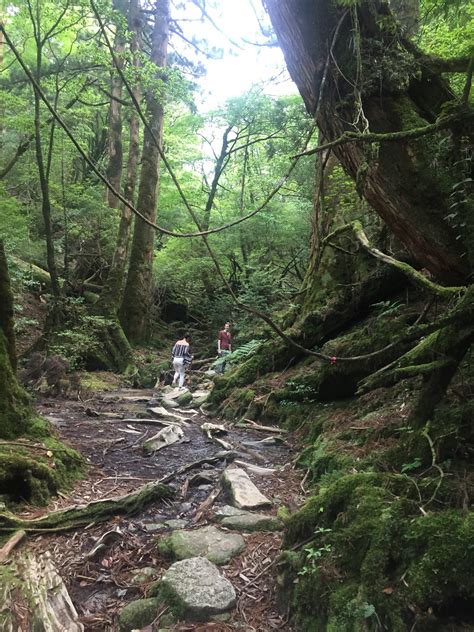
x: 138, y: 614
x: 374, y: 559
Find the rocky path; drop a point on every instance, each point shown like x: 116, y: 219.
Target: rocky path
x: 208, y: 551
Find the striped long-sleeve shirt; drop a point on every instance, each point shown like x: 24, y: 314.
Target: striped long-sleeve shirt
x: 182, y: 351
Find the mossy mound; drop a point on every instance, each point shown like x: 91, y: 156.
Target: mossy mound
x: 138, y: 614
x: 91, y: 342
x: 376, y: 560
x: 37, y: 465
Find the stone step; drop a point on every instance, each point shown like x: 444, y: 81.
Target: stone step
x: 244, y: 494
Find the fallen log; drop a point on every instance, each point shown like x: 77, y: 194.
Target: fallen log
x: 34, y: 582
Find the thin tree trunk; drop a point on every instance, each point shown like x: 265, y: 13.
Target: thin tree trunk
x: 115, y: 149
x: 45, y: 201
x: 136, y: 303
x: 112, y: 292
x: 206, y: 221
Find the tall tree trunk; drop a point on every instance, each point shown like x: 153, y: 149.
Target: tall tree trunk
x: 114, y: 145
x: 111, y: 295
x: 44, y: 184
x: 412, y: 198
x: 14, y: 411
x: 136, y: 303
x: 220, y: 165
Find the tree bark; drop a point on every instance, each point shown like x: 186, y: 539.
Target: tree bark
x: 6, y: 308
x: 111, y: 295
x: 397, y: 182
x: 14, y: 410
x: 136, y: 303
x: 114, y: 145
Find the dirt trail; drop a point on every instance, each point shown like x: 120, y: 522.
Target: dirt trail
x: 100, y: 584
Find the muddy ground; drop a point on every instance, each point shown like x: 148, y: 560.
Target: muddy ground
x: 100, y: 584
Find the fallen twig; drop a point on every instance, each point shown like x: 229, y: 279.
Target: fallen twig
x: 7, y: 548
x: 256, y: 426
x: 206, y: 504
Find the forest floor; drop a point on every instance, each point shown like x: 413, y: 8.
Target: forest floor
x: 101, y: 585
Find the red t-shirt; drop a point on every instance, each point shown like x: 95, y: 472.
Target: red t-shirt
x: 225, y: 339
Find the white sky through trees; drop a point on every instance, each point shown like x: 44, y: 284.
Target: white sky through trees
x: 240, y: 29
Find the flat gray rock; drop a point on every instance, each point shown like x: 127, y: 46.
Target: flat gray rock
x: 241, y: 520
x: 169, y: 403
x: 217, y: 546
x: 198, y: 588
x: 176, y: 523
x: 244, y: 494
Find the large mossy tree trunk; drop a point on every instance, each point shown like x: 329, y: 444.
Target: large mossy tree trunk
x: 136, y: 303
x: 14, y: 411
x: 397, y: 93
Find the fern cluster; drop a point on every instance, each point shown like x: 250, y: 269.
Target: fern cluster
x: 242, y: 353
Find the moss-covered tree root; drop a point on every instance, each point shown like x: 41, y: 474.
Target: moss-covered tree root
x: 81, y: 515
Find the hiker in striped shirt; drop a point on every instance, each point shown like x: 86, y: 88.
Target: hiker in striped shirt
x: 181, y: 358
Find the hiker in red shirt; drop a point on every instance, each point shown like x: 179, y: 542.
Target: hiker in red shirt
x: 224, y: 346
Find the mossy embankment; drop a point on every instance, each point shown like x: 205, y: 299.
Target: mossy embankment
x: 383, y: 541
x: 33, y: 462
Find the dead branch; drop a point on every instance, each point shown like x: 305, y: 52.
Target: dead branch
x: 256, y: 426
x: 7, y: 548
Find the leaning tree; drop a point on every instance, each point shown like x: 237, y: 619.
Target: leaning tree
x: 384, y: 108
x: 387, y: 112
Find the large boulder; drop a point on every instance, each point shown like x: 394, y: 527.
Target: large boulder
x: 216, y: 545
x: 196, y: 590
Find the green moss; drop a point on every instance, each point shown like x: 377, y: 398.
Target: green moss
x: 323, y: 457
x: 439, y: 556
x: 99, y: 381
x: 373, y: 535
x: 138, y: 614
x: 14, y: 404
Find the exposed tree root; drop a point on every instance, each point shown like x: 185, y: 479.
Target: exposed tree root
x: 436, y: 358
x: 101, y: 510
x: 414, y: 275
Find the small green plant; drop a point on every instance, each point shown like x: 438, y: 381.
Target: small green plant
x: 415, y: 464
x: 315, y: 553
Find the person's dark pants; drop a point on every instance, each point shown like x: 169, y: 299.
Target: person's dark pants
x: 221, y: 367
